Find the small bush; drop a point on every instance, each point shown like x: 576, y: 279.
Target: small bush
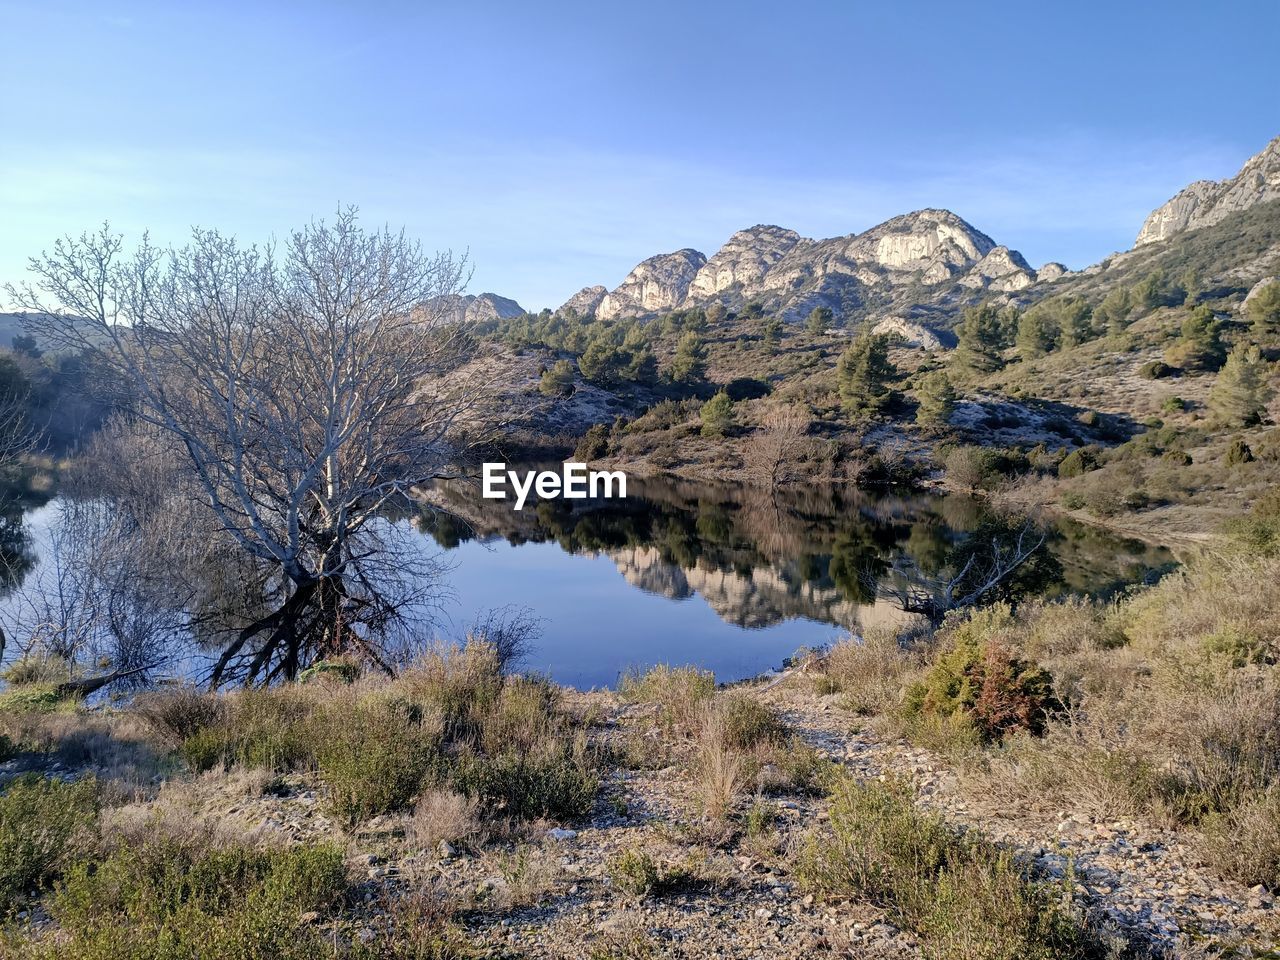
x: 633, y: 872
x: 558, y: 778
x: 374, y: 755
x: 676, y: 692
x: 179, y: 714
x: 34, y: 698
x: 166, y: 898
x: 1244, y: 844
x: 1173, y: 405
x: 748, y: 722
x: 45, y: 826
x: 255, y: 728
x: 1239, y: 452
x: 1156, y: 370
x: 443, y: 816
x: 1078, y: 462
x: 955, y: 892
x: 978, y: 682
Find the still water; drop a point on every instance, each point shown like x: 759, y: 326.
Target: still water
x: 729, y: 579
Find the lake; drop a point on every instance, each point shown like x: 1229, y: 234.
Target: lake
x: 729, y: 579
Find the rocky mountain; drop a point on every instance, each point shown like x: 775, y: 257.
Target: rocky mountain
x: 659, y: 283
x: 1207, y: 202
x: 585, y: 301
x: 482, y: 307
x: 911, y: 265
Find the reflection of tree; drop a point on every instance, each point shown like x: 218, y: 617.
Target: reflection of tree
x: 856, y: 565
x: 16, y: 557
x: 818, y: 545
x: 1003, y: 559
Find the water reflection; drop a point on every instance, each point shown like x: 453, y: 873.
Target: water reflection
x: 760, y: 559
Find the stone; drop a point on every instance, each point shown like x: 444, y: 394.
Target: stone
x: 1207, y: 202
x: 559, y: 833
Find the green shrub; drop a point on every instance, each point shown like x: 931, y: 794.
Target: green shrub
x: 1173, y: 404
x: 34, y: 698
x: 978, y: 682
x: 374, y: 754
x: 1156, y: 370
x: 257, y: 728
x: 8, y: 749
x: 593, y: 445
x: 633, y: 872
x: 960, y: 894
x: 1072, y: 500
x: 560, y: 778
x: 748, y: 722
x: 1078, y: 462
x: 165, y: 899
x: 1244, y: 844
x: 341, y: 669
x: 717, y: 415
x: 1258, y: 533
x: 1239, y: 452
x: 182, y: 713
x: 45, y: 826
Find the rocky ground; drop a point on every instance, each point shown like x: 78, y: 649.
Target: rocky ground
x: 549, y: 890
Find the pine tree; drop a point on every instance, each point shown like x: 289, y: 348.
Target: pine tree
x: 978, y: 351
x: 863, y: 374
x: 819, y: 319
x: 1074, y: 321
x: 937, y: 399
x: 772, y: 329
x: 1200, y: 346
x: 1112, y: 314
x: 601, y: 362
x: 1037, y: 332
x: 717, y: 415
x: 690, y: 362
x: 557, y: 379
x: 1240, y: 394
x: 1263, y: 310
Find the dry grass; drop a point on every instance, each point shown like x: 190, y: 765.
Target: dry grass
x: 869, y: 672
x: 719, y: 768
x: 442, y: 816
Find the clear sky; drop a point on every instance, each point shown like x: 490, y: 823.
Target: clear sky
x: 561, y: 143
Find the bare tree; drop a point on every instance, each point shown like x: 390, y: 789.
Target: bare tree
x: 307, y: 387
x: 988, y: 565
x: 772, y: 451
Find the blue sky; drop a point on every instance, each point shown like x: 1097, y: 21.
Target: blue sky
x: 560, y: 143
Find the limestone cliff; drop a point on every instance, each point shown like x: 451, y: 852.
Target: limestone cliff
x: 480, y: 308
x: 659, y: 283
x: 1207, y: 202
x: 920, y: 260
x: 585, y: 301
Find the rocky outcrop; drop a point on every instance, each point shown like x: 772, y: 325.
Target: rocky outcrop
x: 1001, y: 269
x: 919, y: 261
x: 911, y: 333
x: 585, y: 301
x: 659, y: 283
x: 1051, y: 271
x: 743, y: 261
x: 479, y: 308
x: 1207, y: 202
x: 1256, y: 289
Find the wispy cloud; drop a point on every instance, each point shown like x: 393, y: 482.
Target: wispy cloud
x: 542, y: 221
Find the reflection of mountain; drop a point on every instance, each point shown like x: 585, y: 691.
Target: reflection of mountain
x: 808, y: 551
x: 765, y: 596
